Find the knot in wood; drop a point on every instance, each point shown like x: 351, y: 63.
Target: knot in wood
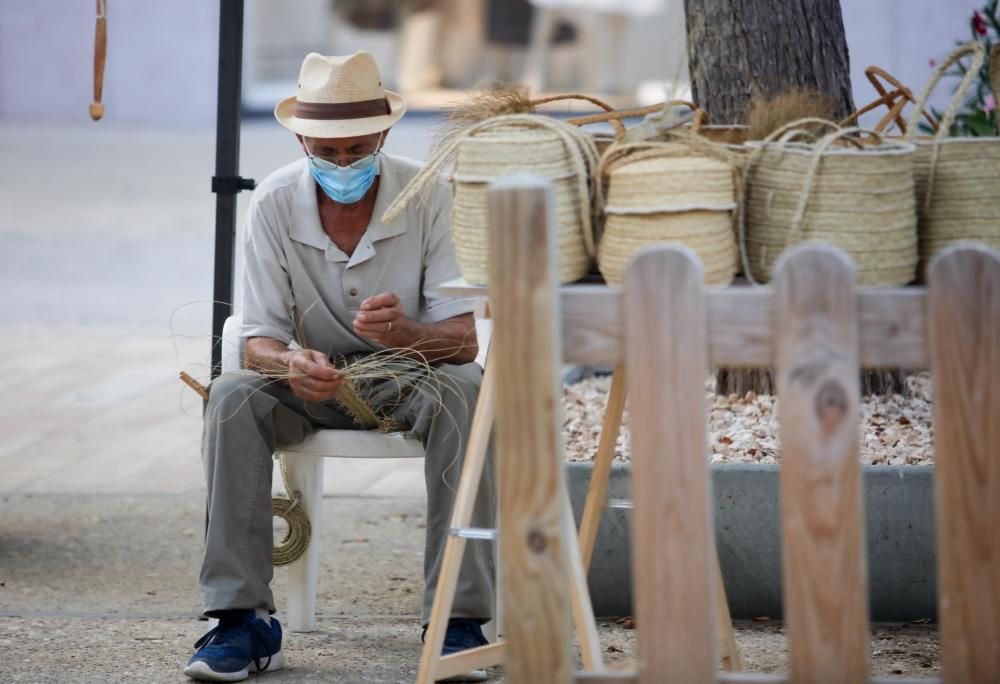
x: 831, y: 404
x: 537, y: 541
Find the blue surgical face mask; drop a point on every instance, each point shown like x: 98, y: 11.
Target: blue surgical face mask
x: 345, y: 184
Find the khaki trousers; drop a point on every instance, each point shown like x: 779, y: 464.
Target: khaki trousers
x: 248, y: 416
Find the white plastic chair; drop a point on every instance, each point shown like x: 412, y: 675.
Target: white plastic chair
x: 304, y: 465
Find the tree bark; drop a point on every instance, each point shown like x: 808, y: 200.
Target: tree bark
x: 744, y: 49
x: 741, y: 50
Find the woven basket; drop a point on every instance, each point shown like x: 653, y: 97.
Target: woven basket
x: 559, y: 152
x: 859, y: 198
x: 958, y: 195
x: 668, y: 192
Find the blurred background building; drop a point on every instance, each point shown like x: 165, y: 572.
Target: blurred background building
x: 161, y: 65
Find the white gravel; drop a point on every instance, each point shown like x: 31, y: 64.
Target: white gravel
x: 894, y: 430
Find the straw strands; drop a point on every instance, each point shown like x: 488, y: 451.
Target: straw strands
x: 769, y: 114
x: 296, y: 539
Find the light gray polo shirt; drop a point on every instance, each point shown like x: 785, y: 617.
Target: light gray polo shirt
x: 298, y: 285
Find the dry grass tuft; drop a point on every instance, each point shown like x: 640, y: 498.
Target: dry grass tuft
x: 495, y: 100
x: 770, y: 114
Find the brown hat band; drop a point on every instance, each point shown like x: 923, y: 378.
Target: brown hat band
x: 342, y: 110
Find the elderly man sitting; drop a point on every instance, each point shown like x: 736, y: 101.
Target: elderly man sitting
x: 322, y: 271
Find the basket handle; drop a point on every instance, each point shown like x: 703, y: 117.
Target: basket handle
x: 793, y: 129
x: 978, y: 53
x: 876, y: 75
x: 895, y: 101
x: 615, y: 117
x: 572, y: 96
x: 618, y: 125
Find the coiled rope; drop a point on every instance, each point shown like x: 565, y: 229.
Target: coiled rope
x: 296, y: 540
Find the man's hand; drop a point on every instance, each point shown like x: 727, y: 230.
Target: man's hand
x: 312, y: 377
x: 383, y: 320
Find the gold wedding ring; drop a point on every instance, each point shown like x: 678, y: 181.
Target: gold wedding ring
x: 389, y: 329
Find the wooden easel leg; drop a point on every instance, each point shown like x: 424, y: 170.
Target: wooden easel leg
x: 724, y: 634
x: 583, y: 609
x: 598, y: 490
x: 591, y: 519
x: 454, y: 550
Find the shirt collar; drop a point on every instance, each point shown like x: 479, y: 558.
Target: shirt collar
x: 307, y: 229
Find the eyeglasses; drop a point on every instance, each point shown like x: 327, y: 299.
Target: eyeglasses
x: 354, y: 162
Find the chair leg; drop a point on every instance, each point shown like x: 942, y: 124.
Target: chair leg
x: 305, y: 475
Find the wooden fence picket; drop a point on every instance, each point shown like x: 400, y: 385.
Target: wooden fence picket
x: 534, y: 573
x: 823, y: 549
x: 964, y: 316
x: 673, y: 546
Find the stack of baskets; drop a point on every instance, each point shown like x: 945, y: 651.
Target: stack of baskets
x: 525, y: 143
x: 857, y: 197
x: 958, y: 194
x: 668, y: 192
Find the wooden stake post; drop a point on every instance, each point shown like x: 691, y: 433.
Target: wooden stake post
x: 964, y: 308
x: 672, y: 544
x: 535, y: 563
x: 816, y: 355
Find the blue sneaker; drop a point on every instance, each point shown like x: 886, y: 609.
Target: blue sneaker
x: 463, y: 634
x: 241, y: 643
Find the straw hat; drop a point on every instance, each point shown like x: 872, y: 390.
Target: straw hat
x: 340, y: 97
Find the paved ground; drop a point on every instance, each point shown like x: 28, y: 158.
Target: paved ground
x: 105, y: 264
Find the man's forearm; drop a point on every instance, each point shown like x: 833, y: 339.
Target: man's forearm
x: 267, y: 355
x: 453, y: 341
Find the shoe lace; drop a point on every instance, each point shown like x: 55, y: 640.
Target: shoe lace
x: 225, y: 631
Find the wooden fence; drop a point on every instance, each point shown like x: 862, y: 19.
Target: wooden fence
x: 816, y: 329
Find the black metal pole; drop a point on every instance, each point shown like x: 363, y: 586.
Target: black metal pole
x: 227, y: 182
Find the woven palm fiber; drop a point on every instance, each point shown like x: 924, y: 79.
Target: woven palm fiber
x: 667, y: 192
x: 296, y: 539
x: 857, y: 197
x: 516, y: 143
x: 958, y: 195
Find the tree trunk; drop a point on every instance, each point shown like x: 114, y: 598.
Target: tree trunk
x: 740, y: 50
x: 743, y: 49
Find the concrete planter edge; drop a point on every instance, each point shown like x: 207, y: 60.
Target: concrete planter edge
x: 899, y: 508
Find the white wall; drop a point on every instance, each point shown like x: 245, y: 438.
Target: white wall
x: 902, y: 36
x: 161, y: 65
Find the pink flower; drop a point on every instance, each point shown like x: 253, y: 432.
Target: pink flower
x: 989, y: 103
x: 978, y: 23
x: 932, y: 63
